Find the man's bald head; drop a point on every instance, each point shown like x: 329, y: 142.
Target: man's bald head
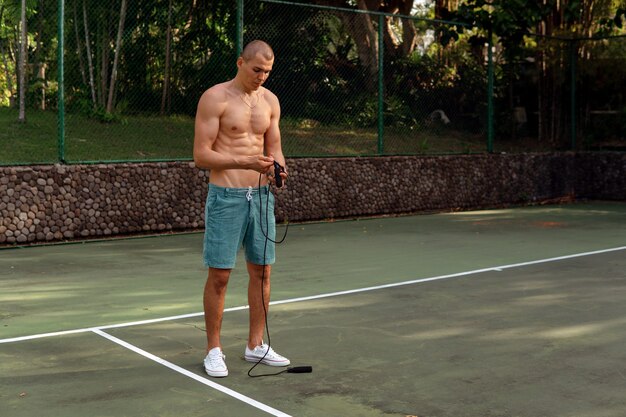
x: 257, y: 47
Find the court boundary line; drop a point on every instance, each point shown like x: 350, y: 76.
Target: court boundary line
x: 315, y: 297
x: 237, y: 395
x: 241, y: 397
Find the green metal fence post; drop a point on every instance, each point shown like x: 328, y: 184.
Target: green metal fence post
x: 490, y: 121
x: 490, y: 127
x: 239, y: 26
x: 61, y: 81
x: 572, y: 63
x: 381, y: 101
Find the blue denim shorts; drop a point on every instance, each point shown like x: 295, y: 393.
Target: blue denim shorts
x: 235, y: 218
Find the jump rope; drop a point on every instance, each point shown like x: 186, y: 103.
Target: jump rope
x: 279, y: 183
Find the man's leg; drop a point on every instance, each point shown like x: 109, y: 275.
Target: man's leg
x: 214, y: 295
x: 255, y: 301
x: 257, y: 350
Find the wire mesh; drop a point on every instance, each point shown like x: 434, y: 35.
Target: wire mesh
x: 533, y: 97
x: 133, y: 83
x: 350, y: 83
x: 601, y: 93
x: 28, y: 136
x: 328, y: 77
x: 563, y: 94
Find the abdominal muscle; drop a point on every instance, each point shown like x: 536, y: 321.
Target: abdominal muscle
x: 237, y: 147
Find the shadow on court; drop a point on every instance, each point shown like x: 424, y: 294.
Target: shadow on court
x: 515, y: 312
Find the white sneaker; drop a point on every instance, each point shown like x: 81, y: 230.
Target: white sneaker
x: 272, y: 358
x: 214, y: 364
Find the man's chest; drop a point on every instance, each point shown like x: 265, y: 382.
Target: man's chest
x: 241, y: 118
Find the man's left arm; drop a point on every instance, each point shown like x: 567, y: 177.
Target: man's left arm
x: 273, y: 146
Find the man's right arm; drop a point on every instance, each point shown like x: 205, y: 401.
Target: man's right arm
x: 207, y: 125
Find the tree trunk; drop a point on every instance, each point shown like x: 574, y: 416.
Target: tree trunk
x: 551, y: 63
x: 118, y: 47
x: 92, y: 86
x: 403, y: 44
x: 409, y: 37
x: 442, y: 7
x: 365, y: 37
x: 79, y: 47
x: 22, y: 64
x: 7, y: 74
x: 103, y: 42
x: 41, y: 74
x: 41, y: 66
x: 168, y: 46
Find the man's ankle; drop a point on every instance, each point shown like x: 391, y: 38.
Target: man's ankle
x: 251, y: 346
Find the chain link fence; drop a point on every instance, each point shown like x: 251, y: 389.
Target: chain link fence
x: 601, y: 93
x: 563, y: 94
x: 350, y: 83
x: 349, y: 87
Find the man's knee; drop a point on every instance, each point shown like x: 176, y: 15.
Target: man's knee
x: 257, y: 272
x: 218, y: 278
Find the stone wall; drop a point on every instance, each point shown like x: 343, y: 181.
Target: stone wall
x: 601, y: 176
x: 64, y: 202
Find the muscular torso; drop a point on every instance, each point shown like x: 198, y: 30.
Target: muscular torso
x: 242, y: 127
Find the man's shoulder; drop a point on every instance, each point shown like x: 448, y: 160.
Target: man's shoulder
x: 214, y: 100
x: 216, y: 94
x: 269, y: 96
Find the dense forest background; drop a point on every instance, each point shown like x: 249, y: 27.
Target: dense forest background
x: 554, y: 61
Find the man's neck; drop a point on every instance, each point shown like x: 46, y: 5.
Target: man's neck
x: 240, y: 88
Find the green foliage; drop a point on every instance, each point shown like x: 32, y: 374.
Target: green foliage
x: 202, y: 51
x: 312, y: 70
x: 423, y: 85
x: 509, y: 20
x: 80, y: 104
x: 42, y: 91
x: 319, y: 75
x: 611, y: 25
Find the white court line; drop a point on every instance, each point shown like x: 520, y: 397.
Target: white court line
x: 319, y: 296
x: 440, y: 277
x: 193, y: 376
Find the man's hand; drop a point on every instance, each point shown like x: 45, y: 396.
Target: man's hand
x: 272, y: 172
x: 259, y: 163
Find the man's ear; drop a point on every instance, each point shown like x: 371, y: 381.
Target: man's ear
x: 239, y: 62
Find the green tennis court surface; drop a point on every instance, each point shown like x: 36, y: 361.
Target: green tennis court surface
x: 512, y: 312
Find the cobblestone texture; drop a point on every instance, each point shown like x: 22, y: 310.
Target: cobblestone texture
x: 65, y: 202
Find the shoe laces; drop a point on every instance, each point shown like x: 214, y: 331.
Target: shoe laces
x: 217, y: 358
x: 270, y: 352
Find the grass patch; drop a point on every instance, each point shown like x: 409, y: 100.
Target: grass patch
x: 133, y: 138
x: 308, y: 139
x: 138, y: 138
x: 32, y: 142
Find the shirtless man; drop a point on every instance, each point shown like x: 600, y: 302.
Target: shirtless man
x: 238, y: 139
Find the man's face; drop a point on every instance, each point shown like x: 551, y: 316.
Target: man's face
x: 255, y: 71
